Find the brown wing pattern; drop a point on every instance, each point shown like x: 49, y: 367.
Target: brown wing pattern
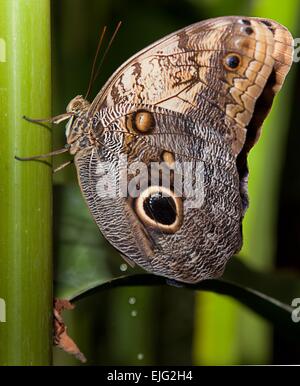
x: 198, y: 95
x: 208, y: 234
x: 185, y: 72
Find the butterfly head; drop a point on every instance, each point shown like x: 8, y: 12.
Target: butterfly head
x: 77, y: 123
x: 78, y: 105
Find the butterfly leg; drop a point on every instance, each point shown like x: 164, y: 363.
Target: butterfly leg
x: 52, y: 153
x: 56, y: 120
x: 62, y: 166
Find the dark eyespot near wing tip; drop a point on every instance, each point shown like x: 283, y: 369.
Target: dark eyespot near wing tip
x: 246, y: 21
x: 267, y: 23
x: 248, y: 30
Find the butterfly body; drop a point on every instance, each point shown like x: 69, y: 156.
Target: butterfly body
x: 195, y: 99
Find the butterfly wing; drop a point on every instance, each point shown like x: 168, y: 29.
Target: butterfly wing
x: 197, y: 97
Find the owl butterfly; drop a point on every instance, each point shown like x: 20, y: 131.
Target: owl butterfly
x: 197, y: 96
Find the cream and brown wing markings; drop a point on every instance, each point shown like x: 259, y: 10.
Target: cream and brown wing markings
x: 213, y: 69
x: 200, y: 94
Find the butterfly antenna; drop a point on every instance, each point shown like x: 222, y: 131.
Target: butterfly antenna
x: 107, y: 49
x: 94, y: 62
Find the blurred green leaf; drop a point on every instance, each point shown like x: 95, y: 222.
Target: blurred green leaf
x: 279, y: 284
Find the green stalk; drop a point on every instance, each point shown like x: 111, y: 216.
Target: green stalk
x: 25, y: 189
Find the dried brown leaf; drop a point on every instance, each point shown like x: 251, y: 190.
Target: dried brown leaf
x: 61, y: 337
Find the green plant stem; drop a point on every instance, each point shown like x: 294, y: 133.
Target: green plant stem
x: 25, y: 190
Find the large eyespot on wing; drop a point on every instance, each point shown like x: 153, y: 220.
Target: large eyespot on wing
x: 200, y: 94
x: 159, y: 208
x: 164, y: 234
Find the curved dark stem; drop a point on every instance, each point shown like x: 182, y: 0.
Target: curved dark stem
x: 272, y: 309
